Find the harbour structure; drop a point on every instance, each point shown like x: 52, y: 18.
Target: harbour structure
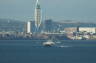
x: 37, y: 16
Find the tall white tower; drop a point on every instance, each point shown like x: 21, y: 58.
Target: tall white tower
x: 37, y: 15
x: 29, y: 27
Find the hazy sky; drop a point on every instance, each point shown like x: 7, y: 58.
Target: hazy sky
x: 79, y: 10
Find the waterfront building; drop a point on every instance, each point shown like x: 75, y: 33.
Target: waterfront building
x: 87, y: 29
x: 29, y: 25
x: 33, y: 26
x: 77, y: 28
x: 37, y: 16
x: 70, y: 29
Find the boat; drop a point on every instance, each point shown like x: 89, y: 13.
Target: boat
x: 49, y: 43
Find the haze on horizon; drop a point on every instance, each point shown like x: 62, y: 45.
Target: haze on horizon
x: 78, y: 10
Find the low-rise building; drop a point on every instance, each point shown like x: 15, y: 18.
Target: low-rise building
x: 70, y: 29
x: 87, y: 29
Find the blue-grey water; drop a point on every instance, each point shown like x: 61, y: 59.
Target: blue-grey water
x: 28, y: 51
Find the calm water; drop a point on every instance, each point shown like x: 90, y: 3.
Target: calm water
x: 33, y: 52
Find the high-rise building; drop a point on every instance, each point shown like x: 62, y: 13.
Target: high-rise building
x: 37, y: 16
x: 28, y: 27
x: 48, y: 25
x: 33, y: 26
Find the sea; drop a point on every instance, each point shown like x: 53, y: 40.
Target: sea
x: 32, y: 51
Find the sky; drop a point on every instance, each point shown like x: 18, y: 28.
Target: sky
x: 58, y: 10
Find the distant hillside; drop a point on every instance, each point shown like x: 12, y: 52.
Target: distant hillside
x: 9, y: 25
x: 75, y: 24
x: 16, y: 25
